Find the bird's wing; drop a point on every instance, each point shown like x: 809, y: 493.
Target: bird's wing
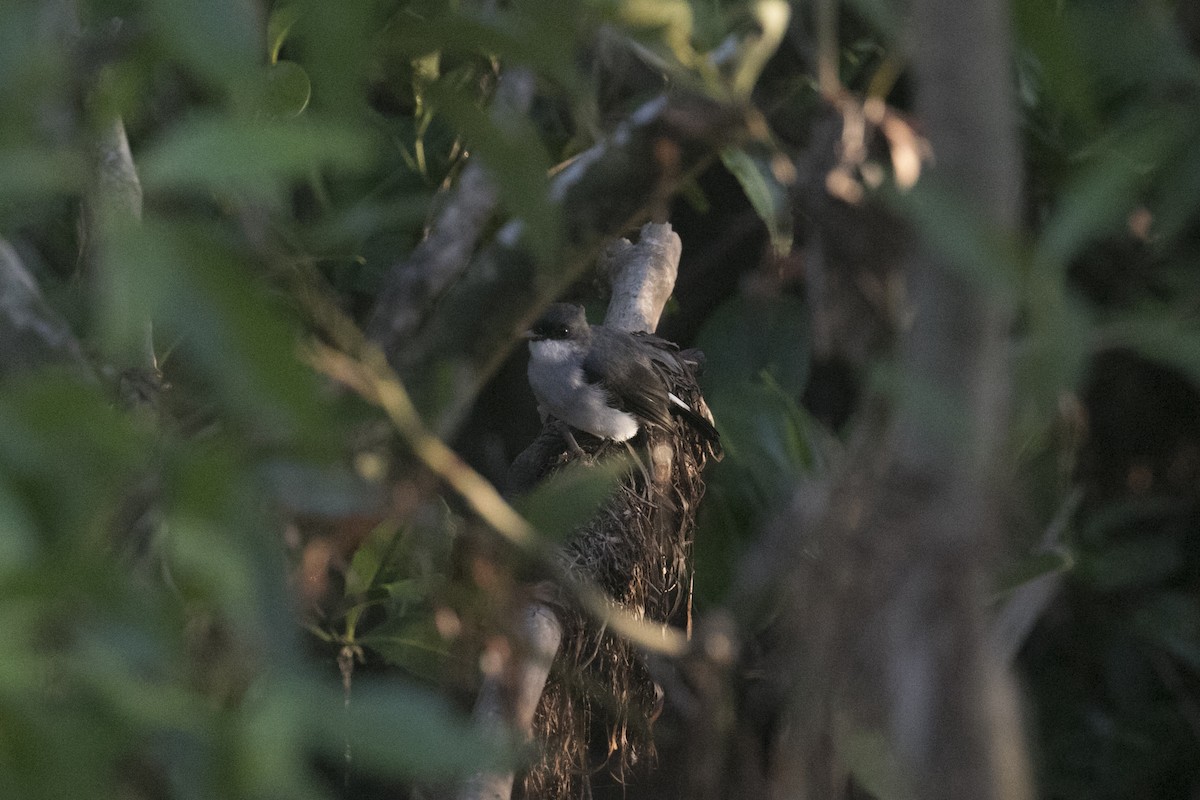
x: 621, y: 368
x: 679, y: 369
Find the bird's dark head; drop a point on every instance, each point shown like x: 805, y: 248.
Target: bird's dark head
x: 559, y: 322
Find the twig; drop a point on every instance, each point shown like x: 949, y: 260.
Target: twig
x: 32, y: 334
x: 443, y: 255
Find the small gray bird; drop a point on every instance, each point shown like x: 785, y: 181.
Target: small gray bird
x: 607, y: 382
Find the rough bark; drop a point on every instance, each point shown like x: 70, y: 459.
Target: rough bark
x: 880, y: 572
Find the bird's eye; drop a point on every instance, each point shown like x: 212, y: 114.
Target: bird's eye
x: 562, y: 332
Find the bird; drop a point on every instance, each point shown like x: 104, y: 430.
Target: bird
x: 608, y: 382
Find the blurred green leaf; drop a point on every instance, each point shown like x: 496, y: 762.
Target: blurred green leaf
x: 989, y: 258
x: 196, y: 287
x: 1165, y: 335
x: 749, y: 336
x: 1133, y: 562
x: 219, y: 154
x: 399, y: 729
x: 766, y: 194
x: 219, y: 39
x: 284, y: 90
x: 513, y: 152
x: 17, y: 547
x: 72, y: 453
x: 1046, y: 30
x: 875, y: 765
x: 1177, y: 194
x: 1031, y: 567
x: 1172, y: 621
x: 324, y: 490
x: 571, y: 496
x: 1099, y: 198
x: 541, y: 35
x: 34, y: 173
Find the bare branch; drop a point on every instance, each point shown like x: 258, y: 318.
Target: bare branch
x: 642, y: 277
x: 508, y: 699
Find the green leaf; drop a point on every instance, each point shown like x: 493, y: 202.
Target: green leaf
x: 215, y: 153
x: 284, y: 90
x: 32, y: 173
x: 403, y: 730
x: 411, y: 642
x: 749, y: 336
x: 279, y: 25
x: 1098, y: 200
x: 512, y: 149
x: 767, y: 438
x: 766, y: 193
x: 872, y: 760
x: 1034, y: 566
x: 375, y: 553
x: 1144, y: 560
x: 219, y: 39
x: 1044, y: 28
x: 19, y: 533
x: 1171, y: 621
x: 989, y: 258
x: 1166, y: 335
x: 571, y: 496
x: 196, y: 287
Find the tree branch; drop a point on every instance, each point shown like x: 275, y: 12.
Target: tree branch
x: 414, y: 284
x: 601, y: 192
x: 643, y: 276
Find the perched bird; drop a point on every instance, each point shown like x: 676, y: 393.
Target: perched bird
x: 605, y: 381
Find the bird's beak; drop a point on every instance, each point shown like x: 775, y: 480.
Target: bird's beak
x: 530, y: 336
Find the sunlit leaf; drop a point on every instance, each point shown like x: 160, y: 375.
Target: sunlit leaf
x: 279, y: 25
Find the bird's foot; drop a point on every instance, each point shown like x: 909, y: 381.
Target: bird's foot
x: 573, y: 447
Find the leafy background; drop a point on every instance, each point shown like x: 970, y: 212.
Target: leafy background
x: 249, y: 589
